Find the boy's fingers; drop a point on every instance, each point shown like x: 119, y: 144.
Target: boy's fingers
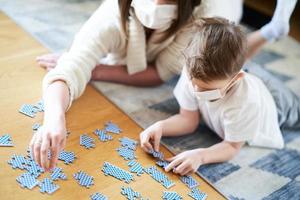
x: 179, y: 169
x: 173, y: 164
x: 156, y: 143
x: 171, y: 159
x: 54, y: 154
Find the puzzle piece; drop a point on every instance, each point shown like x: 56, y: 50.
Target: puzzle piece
x: 129, y: 143
x: 113, y: 128
x: 18, y: 161
x: 135, y: 167
x: 67, y: 156
x: 102, y: 135
x: 197, y: 194
x: 159, y: 176
x: 28, y: 110
x: 126, y: 153
x: 84, y: 179
x: 118, y: 173
x: 48, y: 186
x: 33, y: 168
x: 87, y: 141
x: 6, y: 141
x: 98, y: 196
x: 171, y: 195
x: 27, y: 180
x: 162, y: 163
x: 189, y: 181
x: 39, y: 106
x: 130, y: 193
x: 36, y: 126
x: 157, y: 154
x: 57, y: 173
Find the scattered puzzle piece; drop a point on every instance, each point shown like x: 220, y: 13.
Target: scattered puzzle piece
x: 98, y: 196
x: 130, y: 193
x: 171, y: 195
x: 27, y: 180
x: 18, y: 161
x: 197, y: 194
x: 162, y: 163
x: 57, y: 173
x: 36, y: 126
x: 112, y: 170
x: 129, y: 143
x: 189, y: 181
x: 159, y: 176
x: 102, y: 135
x: 39, y: 106
x: 67, y: 156
x: 135, y: 167
x: 6, y: 141
x: 48, y: 186
x: 33, y: 168
x: 87, y: 141
x: 113, y: 128
x: 84, y: 179
x: 126, y: 153
x: 28, y: 110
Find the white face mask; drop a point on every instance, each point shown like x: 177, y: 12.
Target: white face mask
x: 154, y: 16
x: 213, y: 94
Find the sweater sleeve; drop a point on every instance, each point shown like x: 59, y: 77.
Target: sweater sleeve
x: 170, y: 61
x: 99, y: 35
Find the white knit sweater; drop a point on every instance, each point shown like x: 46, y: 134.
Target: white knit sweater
x: 101, y: 40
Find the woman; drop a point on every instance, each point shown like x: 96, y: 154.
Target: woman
x: 138, y: 42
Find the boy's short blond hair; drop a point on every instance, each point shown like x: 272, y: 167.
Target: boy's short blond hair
x: 217, y: 51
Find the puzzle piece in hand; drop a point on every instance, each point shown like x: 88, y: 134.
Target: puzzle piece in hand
x: 189, y: 181
x: 130, y: 193
x: 6, y: 141
x: 84, y: 179
x: 135, y: 167
x: 126, y: 153
x: 197, y: 194
x: 171, y: 195
x: 159, y: 176
x: 57, y: 173
x: 129, y: 143
x: 102, y: 135
x: 27, y: 180
x: 39, y: 106
x: 18, y: 161
x: 162, y: 163
x: 28, y: 110
x: 34, y: 169
x: 118, y: 173
x: 113, y: 128
x: 67, y: 156
x: 157, y: 154
x: 36, y: 126
x: 98, y: 196
x: 48, y: 186
x: 87, y: 141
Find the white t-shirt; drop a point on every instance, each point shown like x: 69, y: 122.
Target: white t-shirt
x: 247, y: 113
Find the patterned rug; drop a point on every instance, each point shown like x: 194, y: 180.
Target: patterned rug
x: 256, y: 173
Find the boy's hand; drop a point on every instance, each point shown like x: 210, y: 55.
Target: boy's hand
x: 151, y: 136
x: 51, y: 136
x: 186, y: 163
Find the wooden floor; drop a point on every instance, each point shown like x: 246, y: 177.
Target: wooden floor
x: 20, y: 82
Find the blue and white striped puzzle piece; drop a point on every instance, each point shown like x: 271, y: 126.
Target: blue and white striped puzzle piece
x: 84, y: 179
x: 197, y: 194
x: 87, y: 141
x: 47, y: 186
x: 102, y: 135
x: 27, y: 180
x: 189, y: 181
x: 6, y: 141
x: 67, y: 156
x: 118, y: 173
x: 113, y: 128
x: 171, y: 195
x: 135, y: 167
x: 129, y: 193
x: 126, y: 153
x: 98, y: 196
x: 129, y: 143
x: 57, y: 173
x: 159, y: 176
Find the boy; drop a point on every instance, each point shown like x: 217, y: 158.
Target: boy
x: 234, y: 104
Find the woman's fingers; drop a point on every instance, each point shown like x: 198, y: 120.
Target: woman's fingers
x: 44, y: 153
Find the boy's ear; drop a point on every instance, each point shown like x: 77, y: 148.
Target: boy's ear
x: 240, y: 75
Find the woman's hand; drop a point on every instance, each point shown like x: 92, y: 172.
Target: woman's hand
x: 48, y: 61
x: 150, y: 138
x: 51, y: 136
x: 187, y: 162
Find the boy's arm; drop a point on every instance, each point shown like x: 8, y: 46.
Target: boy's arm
x: 183, y: 123
x: 189, y: 161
